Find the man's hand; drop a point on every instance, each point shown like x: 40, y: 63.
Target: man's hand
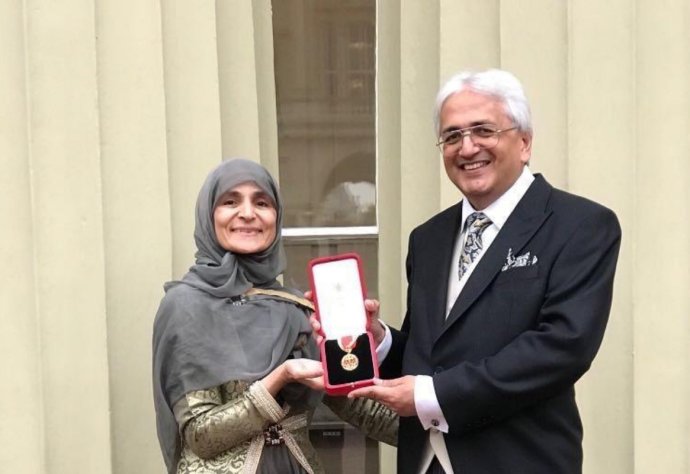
x: 313, y: 320
x: 370, y: 306
x: 396, y: 394
x: 375, y: 327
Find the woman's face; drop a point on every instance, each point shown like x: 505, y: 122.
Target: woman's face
x: 245, y: 219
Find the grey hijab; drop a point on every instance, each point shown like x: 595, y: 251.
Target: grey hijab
x: 203, y: 335
x: 217, y: 271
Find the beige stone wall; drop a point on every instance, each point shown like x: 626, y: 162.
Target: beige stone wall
x: 112, y: 112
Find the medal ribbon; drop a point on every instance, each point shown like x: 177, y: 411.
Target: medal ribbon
x: 347, y: 343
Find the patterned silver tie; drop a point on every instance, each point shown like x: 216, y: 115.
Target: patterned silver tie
x: 475, y: 224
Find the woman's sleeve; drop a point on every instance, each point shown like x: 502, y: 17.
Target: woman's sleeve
x: 371, y: 417
x: 210, y: 427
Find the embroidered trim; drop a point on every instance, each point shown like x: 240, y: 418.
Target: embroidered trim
x: 265, y: 402
x: 251, y: 464
x: 281, y: 294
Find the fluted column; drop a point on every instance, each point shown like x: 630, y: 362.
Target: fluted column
x: 65, y: 184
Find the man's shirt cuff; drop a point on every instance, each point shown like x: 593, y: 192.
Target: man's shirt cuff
x: 425, y: 401
x: 385, y: 347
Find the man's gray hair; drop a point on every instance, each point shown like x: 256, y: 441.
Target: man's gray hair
x: 496, y: 83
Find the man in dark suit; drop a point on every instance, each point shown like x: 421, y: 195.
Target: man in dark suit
x: 509, y: 292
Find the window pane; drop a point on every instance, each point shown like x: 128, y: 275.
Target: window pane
x: 299, y: 252
x: 324, y: 54
x: 342, y: 449
x: 325, y: 74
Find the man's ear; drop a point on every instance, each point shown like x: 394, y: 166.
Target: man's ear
x: 525, y: 147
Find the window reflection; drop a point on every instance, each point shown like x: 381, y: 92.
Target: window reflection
x: 342, y: 449
x: 324, y: 54
x: 300, y: 251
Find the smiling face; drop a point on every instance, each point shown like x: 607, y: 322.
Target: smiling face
x: 482, y: 175
x: 245, y: 219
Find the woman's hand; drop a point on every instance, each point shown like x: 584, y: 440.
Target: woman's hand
x: 298, y: 370
x: 305, y: 371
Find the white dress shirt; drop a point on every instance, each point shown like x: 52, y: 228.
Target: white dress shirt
x: 428, y: 409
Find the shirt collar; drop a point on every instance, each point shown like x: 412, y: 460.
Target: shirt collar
x: 499, y: 210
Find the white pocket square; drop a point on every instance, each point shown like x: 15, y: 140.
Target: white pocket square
x: 525, y: 260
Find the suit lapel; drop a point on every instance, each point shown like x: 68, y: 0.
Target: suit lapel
x: 523, y: 223
x: 438, y: 264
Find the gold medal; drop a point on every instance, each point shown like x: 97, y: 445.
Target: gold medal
x: 349, y: 361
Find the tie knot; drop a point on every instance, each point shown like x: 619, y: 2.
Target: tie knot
x: 477, y: 222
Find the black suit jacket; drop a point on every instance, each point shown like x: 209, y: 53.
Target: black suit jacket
x: 505, y: 360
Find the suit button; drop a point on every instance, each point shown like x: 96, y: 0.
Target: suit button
x: 435, y: 423
x: 438, y: 370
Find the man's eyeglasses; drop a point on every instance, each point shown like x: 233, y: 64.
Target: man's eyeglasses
x: 484, y: 136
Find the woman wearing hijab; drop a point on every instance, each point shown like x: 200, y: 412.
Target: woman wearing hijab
x: 230, y: 343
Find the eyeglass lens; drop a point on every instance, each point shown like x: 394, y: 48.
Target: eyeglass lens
x: 482, y: 136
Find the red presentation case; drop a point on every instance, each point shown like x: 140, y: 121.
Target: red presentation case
x: 348, y: 350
